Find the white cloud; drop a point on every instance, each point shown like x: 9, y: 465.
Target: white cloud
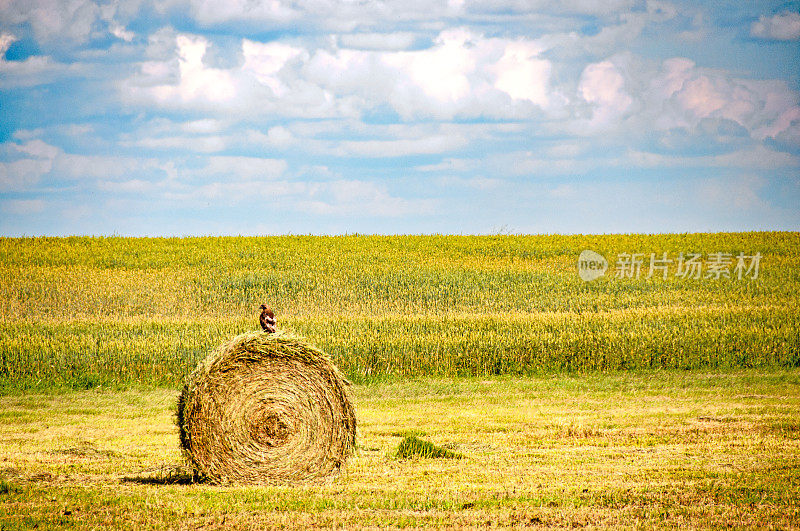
x: 683, y: 94
x: 53, y: 19
x: 197, y: 81
x: 701, y: 96
x: 198, y: 144
x: 119, y: 31
x: 394, y: 41
x: 334, y: 15
x: 35, y: 161
x: 265, y: 61
x: 22, y: 174
x: 245, y: 167
x: 338, y: 138
x: 70, y: 166
x: 351, y: 197
x: 211, y: 12
x: 783, y: 27
x: 753, y: 158
x: 616, y: 33
x: 132, y: 186
x: 440, y: 72
x: 29, y: 162
x: 448, y: 165
x: 674, y: 73
x: 280, y: 137
x: 338, y: 197
x: 182, y: 80
x: 34, y: 70
x: 399, y: 148
x: 21, y: 207
x: 386, y: 141
x: 553, y: 7
x: 630, y: 96
x: 522, y: 75
x: 203, y: 126
x: 527, y: 163
x: 233, y: 192
x: 462, y: 74
x: 603, y: 86
x: 552, y: 162
x: 6, y: 40
x: 38, y: 148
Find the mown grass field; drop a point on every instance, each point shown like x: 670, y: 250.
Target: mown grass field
x: 660, y: 449
x: 83, y: 312
x: 622, y: 402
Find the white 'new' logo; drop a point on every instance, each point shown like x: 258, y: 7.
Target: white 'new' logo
x: 591, y: 265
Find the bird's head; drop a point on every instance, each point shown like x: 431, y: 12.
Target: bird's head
x: 262, y: 307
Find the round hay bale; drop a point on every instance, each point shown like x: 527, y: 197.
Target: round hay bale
x: 266, y: 408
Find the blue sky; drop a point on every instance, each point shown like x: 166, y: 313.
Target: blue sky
x: 196, y: 117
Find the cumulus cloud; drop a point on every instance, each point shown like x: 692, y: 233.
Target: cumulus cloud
x: 522, y: 75
x: 264, y: 62
x: 197, y: 81
x: 626, y: 95
x: 783, y: 27
x: 440, y: 72
x: 691, y: 94
x: 462, y: 74
x: 603, y: 86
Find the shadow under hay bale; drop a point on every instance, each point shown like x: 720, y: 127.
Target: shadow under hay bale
x: 266, y: 408
x: 411, y: 446
x: 164, y: 475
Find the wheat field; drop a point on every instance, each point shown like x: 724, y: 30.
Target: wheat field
x: 82, y: 312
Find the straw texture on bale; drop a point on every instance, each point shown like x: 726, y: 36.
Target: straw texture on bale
x: 266, y: 408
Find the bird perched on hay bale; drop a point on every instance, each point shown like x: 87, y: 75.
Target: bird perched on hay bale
x: 267, y: 319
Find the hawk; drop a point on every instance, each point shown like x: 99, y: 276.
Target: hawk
x: 267, y: 319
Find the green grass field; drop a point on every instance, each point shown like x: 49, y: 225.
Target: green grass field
x: 621, y: 402
x: 83, y: 312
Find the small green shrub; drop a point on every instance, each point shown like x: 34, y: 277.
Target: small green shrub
x: 411, y: 446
